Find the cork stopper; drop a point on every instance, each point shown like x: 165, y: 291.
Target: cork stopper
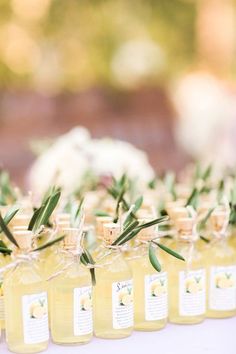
x: 179, y: 212
x: 63, y: 225
x: 148, y: 233
x: 24, y: 239
x: 100, y: 221
x: 62, y: 217
x: 219, y: 219
x: 20, y: 228
x: 110, y: 232
x: 185, y: 226
x: 171, y: 206
x: 72, y: 238
x: 21, y: 220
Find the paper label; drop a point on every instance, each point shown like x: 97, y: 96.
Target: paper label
x: 192, y: 292
x: 83, y: 315
x: 122, y: 304
x: 222, y: 295
x: 35, y: 318
x: 2, y: 312
x: 156, y: 296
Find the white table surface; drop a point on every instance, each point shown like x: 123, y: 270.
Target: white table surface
x: 210, y: 337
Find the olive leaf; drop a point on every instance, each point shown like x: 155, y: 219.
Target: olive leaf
x: 137, y: 205
x: 153, y: 258
x: 5, y: 250
x: 169, y: 250
x: 205, y: 239
x: 207, y: 173
x: 49, y: 244
x: 101, y: 213
x: 126, y: 231
x: 7, y: 232
x: 75, y: 213
x: 87, y: 259
x: 10, y: 215
x: 42, y: 214
x: 169, y: 182
x: 203, y: 222
x: 193, y: 198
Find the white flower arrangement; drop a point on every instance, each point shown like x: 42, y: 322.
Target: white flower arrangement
x: 75, y: 154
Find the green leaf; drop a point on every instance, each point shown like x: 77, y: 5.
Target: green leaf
x: 34, y: 218
x: 205, y: 239
x: 125, y: 233
x: 5, y: 250
x: 153, y: 258
x: 220, y: 191
x: 203, y: 222
x: 86, y: 259
x: 137, y: 205
x: 206, y: 174
x: 152, y: 184
x: 75, y: 213
x: 193, y: 198
x: 170, y: 251
x: 10, y: 215
x: 101, y: 213
x: 49, y: 244
x: 153, y: 222
x: 119, y: 199
x: 129, y: 237
x: 7, y: 232
x: 46, y: 210
x: 170, y: 184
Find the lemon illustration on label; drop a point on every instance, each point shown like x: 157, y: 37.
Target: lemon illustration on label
x: 158, y: 288
x: 224, y: 280
x: 193, y: 285
x: 38, y: 309
x: 125, y: 296
x: 1, y: 289
x: 86, y: 302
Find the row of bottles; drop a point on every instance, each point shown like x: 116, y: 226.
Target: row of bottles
x: 52, y: 288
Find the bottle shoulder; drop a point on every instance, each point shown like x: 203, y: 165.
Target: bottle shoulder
x: 23, y: 273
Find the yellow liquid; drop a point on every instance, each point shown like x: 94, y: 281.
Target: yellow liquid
x: 4, y: 260
x: 22, y: 280
x: 143, y: 272
x: 174, y: 267
x: 62, y: 303
x: 115, y: 269
x: 220, y: 254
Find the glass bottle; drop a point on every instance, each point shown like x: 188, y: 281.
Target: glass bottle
x: 71, y: 319
x: 25, y: 299
x: 221, y: 269
x: 5, y: 259
x: 100, y: 221
x: 113, y: 292
x: 187, y: 280
x: 150, y: 286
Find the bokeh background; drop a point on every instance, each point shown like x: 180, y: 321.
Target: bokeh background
x: 157, y: 73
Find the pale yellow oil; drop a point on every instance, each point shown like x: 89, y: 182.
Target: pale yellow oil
x: 114, y: 268
x: 24, y: 279
x: 232, y: 237
x: 141, y: 267
x: 174, y: 267
x: 4, y: 260
x: 61, y: 289
x: 219, y: 253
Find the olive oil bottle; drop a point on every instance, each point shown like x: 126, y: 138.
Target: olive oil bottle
x: 221, y: 269
x: 187, y: 280
x: 150, y: 286
x: 71, y: 319
x: 25, y: 299
x: 113, y: 292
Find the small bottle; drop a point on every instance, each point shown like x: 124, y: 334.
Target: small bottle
x: 221, y: 269
x: 113, y: 292
x: 5, y: 259
x: 150, y: 287
x: 25, y: 299
x: 100, y: 221
x: 187, y: 280
x: 71, y: 319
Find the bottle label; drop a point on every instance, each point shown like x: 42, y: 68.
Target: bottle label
x: 83, y: 315
x: 156, y: 297
x: 192, y: 292
x: 122, y: 304
x: 35, y: 318
x: 222, y: 295
x: 2, y: 312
